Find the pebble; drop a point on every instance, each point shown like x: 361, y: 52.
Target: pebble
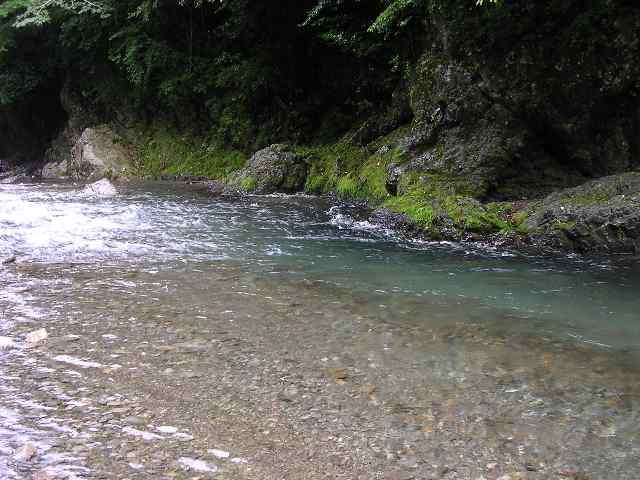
x: 26, y: 452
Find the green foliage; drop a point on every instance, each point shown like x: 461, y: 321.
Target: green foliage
x: 348, y: 187
x: 395, y: 16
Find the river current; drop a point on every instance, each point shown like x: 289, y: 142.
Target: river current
x: 363, y: 355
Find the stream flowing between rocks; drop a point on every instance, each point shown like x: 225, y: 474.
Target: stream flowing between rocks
x: 288, y: 338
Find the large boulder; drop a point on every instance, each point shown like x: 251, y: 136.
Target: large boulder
x: 98, y: 153
x: 600, y: 216
x: 54, y: 170
x: 273, y: 169
x: 101, y: 188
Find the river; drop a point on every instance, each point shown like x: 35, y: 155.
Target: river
x: 286, y: 337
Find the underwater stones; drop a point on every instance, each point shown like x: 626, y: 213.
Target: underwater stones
x: 26, y: 452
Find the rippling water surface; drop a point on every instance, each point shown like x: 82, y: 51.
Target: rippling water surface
x: 81, y: 255
x: 595, y: 300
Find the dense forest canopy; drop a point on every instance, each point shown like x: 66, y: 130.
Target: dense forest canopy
x: 223, y: 60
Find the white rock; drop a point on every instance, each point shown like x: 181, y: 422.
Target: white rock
x: 197, y: 465
x: 219, y: 453
x: 101, y: 188
x: 37, y: 336
x: 167, y: 429
x: 6, y: 343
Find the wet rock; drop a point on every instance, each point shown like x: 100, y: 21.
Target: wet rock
x: 97, y: 153
x: 602, y: 215
x: 101, y: 188
x: 195, y: 465
x: 133, y: 420
x: 398, y: 475
x: 273, y: 169
x: 54, y: 169
x: 339, y: 373
x: 10, y: 260
x: 37, y: 336
x: 6, y: 343
x: 26, y: 452
x: 289, y: 394
x: 46, y: 474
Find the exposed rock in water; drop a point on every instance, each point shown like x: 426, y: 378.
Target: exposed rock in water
x: 273, y: 169
x: 98, y: 153
x: 26, y: 452
x: 101, y: 188
x: 6, y: 343
x: 602, y: 215
x: 37, y: 336
x: 10, y: 260
x: 54, y: 170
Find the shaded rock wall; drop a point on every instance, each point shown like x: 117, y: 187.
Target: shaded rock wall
x: 548, y: 97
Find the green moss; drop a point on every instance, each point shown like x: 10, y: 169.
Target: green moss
x: 248, y: 184
x: 562, y: 226
x: 165, y: 152
x: 329, y: 163
x: 436, y: 204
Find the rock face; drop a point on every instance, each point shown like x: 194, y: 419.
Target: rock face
x: 521, y: 117
x: 101, y: 188
x: 97, y: 153
x: 273, y: 169
x: 602, y: 215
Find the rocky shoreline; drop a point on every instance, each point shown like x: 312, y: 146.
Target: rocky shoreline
x: 601, y: 217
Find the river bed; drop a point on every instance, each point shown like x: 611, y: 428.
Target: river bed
x: 286, y: 337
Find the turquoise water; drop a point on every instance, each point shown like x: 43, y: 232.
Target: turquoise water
x: 590, y: 300
x: 492, y: 361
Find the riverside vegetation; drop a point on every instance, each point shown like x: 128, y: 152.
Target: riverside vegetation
x: 510, y: 121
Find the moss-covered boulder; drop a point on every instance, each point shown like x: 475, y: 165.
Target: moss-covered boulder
x: 602, y: 215
x: 276, y: 168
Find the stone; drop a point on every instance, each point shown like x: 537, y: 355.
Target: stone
x: 339, y: 373
x: 101, y: 188
x: 9, y: 260
x: 37, y: 336
x: 26, y: 452
x: 54, y: 170
x: 98, y: 153
x: 602, y: 215
x: 6, y: 343
x: 45, y: 474
x: 289, y: 394
x: 273, y: 169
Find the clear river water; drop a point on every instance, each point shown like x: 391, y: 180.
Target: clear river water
x: 182, y: 327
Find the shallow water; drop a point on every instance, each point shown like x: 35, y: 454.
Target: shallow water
x: 522, y: 359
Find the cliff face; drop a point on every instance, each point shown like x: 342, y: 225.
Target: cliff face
x: 549, y: 98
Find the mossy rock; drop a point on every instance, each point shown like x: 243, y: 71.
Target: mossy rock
x: 276, y: 168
